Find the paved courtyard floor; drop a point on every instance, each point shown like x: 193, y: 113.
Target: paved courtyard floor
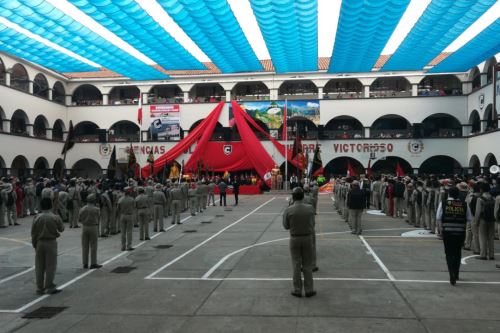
x: 230, y: 271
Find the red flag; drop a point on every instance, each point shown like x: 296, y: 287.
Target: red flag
x: 399, y: 170
x: 350, y: 170
x: 369, y: 170
x: 139, y: 111
x: 283, y: 134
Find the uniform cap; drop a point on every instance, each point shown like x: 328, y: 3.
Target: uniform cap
x: 91, y: 198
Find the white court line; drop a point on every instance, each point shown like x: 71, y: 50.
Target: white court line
x: 218, y: 264
x: 16, y: 241
x: 377, y: 259
x: 17, y: 274
x: 206, y: 240
x: 81, y: 276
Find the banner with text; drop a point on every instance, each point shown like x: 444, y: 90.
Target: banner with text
x: 165, y: 121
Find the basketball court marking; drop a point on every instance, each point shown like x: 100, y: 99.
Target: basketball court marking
x: 16, y: 241
x: 377, y: 259
x: 206, y: 240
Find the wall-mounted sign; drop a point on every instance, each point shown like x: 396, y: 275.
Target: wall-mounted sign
x: 415, y: 147
x: 166, y: 121
x: 363, y: 147
x: 481, y: 101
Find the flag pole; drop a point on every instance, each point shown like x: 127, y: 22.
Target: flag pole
x: 140, y: 134
x: 286, y: 147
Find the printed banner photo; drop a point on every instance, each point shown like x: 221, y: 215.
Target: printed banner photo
x: 271, y: 112
x: 166, y: 121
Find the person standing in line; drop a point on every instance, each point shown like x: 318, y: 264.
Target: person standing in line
x: 45, y: 230
x: 184, y: 199
x: 390, y: 198
x: 29, y: 199
x: 299, y: 219
x: 204, y: 194
x: 3, y: 200
x: 177, y: 195
x: 211, y: 192
x: 89, y: 216
x: 375, y: 190
x: 383, y: 195
x: 431, y: 202
x: 452, y: 215
x: 10, y: 204
x: 314, y: 195
x: 19, y: 200
x: 417, y: 201
x: 236, y: 189
x: 497, y: 212
x: 73, y: 203
x: 143, y: 211
x: 410, y: 207
x: 222, y: 192
x: 199, y: 197
x: 192, y: 195
x: 106, y: 207
x: 125, y: 212
x: 355, y: 202
x: 485, y: 219
x: 398, y: 193
x: 160, y: 203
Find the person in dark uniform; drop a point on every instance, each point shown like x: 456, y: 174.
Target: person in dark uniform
x: 236, y: 189
x: 222, y: 192
x: 453, y: 214
x: 299, y: 219
x: 45, y: 230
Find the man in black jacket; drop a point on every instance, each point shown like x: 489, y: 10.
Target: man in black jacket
x: 236, y: 189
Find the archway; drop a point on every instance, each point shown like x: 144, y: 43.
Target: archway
x: 40, y: 127
x: 391, y: 126
x: 491, y: 118
x: 19, y: 78
x: 390, y: 87
x: 490, y: 65
x: 207, y: 92
x: 87, y: 94
x: 124, y: 130
x: 58, y: 130
x: 440, y: 164
x: 441, y: 125
x: 86, y: 168
x: 86, y: 131
x: 41, y: 167
x: 475, y: 78
x: 2, y: 117
x: 490, y: 160
x: 3, y: 167
x: 250, y: 91
x: 475, y: 165
x: 298, y: 89
x: 41, y: 86
x: 304, y: 127
x: 58, y: 168
x: 124, y: 95
x: 475, y: 121
x: 440, y: 85
x: 2, y: 72
x: 388, y: 165
x: 19, y: 167
x: 344, y: 127
x: 165, y: 93
x: 343, y: 88
x: 338, y: 166
x: 19, y: 122
x: 59, y: 93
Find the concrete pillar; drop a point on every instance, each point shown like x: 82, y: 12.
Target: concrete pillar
x: 484, y: 79
x: 466, y: 129
x: 30, y: 87
x: 105, y: 99
x: 466, y: 87
x: 186, y: 96
x: 414, y: 89
x: 6, y: 125
x: 65, y: 135
x: 48, y: 133
x: 320, y: 92
x: 367, y: 132
x: 29, y: 129
x: 273, y: 94
x: 50, y: 94
x: 366, y: 91
x: 144, y: 97
x: 68, y: 99
x: 228, y: 95
x: 483, y: 125
x: 7, y: 79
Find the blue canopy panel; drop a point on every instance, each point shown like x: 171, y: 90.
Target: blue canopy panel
x: 363, y: 31
x: 290, y: 30
x: 441, y: 23
x: 485, y: 45
x: 22, y: 46
x: 214, y: 28
x: 130, y: 22
x: 45, y: 20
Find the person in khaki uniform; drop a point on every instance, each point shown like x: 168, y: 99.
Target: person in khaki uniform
x: 89, y: 216
x: 73, y: 204
x: 299, y: 219
x: 486, y: 224
x: 159, y: 202
x: 211, y: 193
x: 45, y: 230
x: 143, y: 211
x: 193, y: 199
x: 204, y: 194
x: 125, y: 212
x: 177, y: 196
x: 199, y: 197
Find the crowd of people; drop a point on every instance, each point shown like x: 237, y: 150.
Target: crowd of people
x: 102, y: 208
x: 465, y: 210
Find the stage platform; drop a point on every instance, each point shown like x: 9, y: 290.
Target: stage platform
x: 229, y: 270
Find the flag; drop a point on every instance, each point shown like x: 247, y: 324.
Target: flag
x: 113, y: 164
x: 283, y: 134
x: 350, y: 170
x: 369, y: 170
x: 131, y: 157
x: 399, y: 170
x: 70, y: 139
x: 139, y: 111
x: 317, y: 164
x: 297, y: 146
x: 151, y: 162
